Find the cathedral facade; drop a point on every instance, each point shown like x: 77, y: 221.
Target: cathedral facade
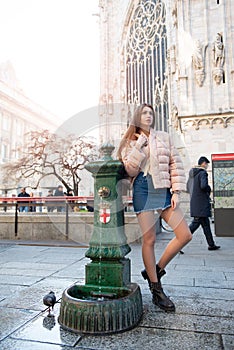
x: 177, y: 55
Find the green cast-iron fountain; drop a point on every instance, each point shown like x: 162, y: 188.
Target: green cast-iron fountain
x: 108, y: 302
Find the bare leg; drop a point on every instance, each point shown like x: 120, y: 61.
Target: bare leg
x: 175, y: 219
x: 147, y: 224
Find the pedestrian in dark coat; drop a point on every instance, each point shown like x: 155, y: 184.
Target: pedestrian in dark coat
x: 50, y: 208
x: 59, y: 193
x: 24, y: 206
x: 200, y: 203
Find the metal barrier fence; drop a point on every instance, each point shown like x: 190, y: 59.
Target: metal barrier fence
x: 66, y: 203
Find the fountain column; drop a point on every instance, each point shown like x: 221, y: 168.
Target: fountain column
x: 108, y: 302
x: 108, y: 245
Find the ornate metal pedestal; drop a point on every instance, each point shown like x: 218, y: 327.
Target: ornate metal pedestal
x: 108, y: 302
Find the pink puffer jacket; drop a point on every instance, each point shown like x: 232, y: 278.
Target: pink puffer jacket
x: 166, y: 166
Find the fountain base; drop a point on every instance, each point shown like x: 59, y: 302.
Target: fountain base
x: 87, y: 309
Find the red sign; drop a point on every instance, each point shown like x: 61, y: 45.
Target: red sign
x: 104, y: 214
x: 222, y: 156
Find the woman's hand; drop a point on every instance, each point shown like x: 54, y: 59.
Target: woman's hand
x: 175, y: 200
x: 141, y: 141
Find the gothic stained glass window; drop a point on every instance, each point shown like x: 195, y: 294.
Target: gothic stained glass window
x: 146, y: 48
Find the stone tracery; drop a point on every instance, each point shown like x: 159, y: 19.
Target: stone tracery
x: 209, y: 121
x: 146, y: 58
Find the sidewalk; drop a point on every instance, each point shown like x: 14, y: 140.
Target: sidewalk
x: 200, y: 282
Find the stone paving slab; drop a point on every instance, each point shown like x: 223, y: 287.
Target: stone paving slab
x: 172, y: 275
x: 13, y: 318
x: 34, y: 265
x: 25, y: 272
x: 188, y: 322
x: 228, y: 342
x: 224, y: 255
x: 16, y: 344
x: 5, y: 246
x: 56, y: 258
x: 31, y: 297
x: 41, y: 243
x: 204, y: 270
x: 18, y: 259
x: 153, y: 338
x: 4, y: 290
x: 75, y: 270
x: 194, y: 306
x: 222, y: 263
x: 18, y: 280
x: 229, y: 275
x: 189, y: 260
x: 200, y: 292
x: 50, y: 331
x: 212, y: 282
x: 23, y: 251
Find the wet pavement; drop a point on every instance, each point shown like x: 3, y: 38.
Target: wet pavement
x: 200, y: 282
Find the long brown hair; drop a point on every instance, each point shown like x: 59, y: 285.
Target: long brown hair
x: 134, y: 127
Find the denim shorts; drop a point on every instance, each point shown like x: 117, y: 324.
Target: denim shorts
x: 146, y: 197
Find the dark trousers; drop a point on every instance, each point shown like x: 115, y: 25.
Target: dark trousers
x: 205, y: 223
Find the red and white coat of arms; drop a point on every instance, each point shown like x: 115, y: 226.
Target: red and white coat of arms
x: 104, y: 215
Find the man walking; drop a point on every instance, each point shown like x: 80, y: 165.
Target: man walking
x: 200, y: 206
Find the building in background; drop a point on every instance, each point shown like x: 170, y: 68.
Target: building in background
x: 18, y: 116
x: 178, y: 56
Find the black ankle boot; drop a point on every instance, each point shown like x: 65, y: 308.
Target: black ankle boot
x: 159, y: 297
x: 159, y: 271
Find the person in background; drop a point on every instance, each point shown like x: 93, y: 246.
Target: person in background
x: 59, y: 193
x: 32, y: 208
x: 69, y: 193
x: 90, y: 208
x: 50, y: 208
x: 200, y: 203
x: 5, y: 201
x: 23, y: 193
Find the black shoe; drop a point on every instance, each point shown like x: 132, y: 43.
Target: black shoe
x: 213, y: 247
x: 181, y: 252
x: 159, y: 271
x: 160, y: 299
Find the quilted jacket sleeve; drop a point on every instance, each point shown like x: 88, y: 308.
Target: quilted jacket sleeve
x: 132, y: 159
x: 176, y: 168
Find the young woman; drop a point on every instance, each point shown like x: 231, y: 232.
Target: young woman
x: 151, y: 159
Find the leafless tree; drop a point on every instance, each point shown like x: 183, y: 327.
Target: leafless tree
x: 47, y: 154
